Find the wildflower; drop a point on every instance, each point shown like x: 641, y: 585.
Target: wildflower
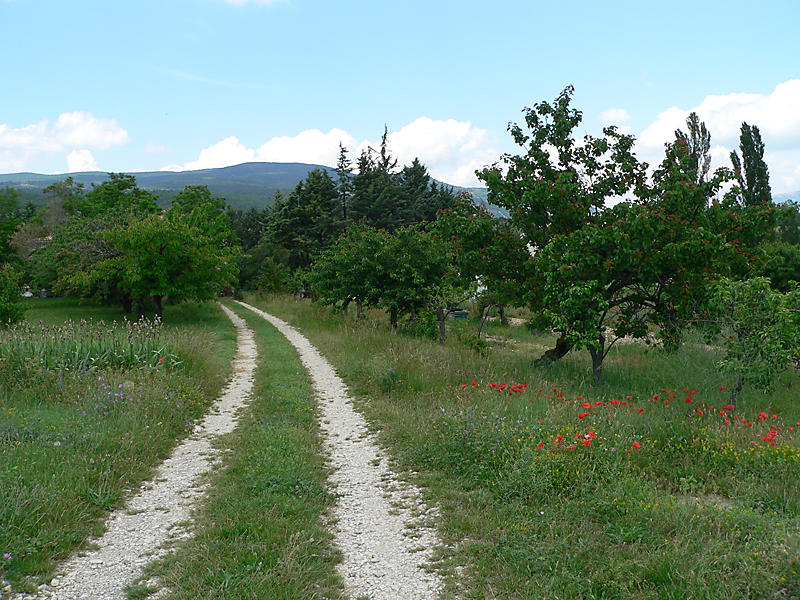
x: 474, y: 383
x: 587, y: 442
x: 721, y: 388
x: 586, y: 405
x: 582, y: 415
x: 688, y: 400
x: 540, y: 445
x: 640, y: 410
x: 636, y: 445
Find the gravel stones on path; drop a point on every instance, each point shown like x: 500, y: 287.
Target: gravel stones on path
x: 379, y: 526
x: 136, y: 533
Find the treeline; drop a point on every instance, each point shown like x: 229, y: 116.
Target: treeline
x: 597, y: 245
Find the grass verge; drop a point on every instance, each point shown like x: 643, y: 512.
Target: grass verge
x: 649, y: 485
x: 86, y: 412
x: 261, y: 531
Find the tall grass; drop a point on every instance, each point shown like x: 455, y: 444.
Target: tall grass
x: 649, y: 485
x: 27, y: 349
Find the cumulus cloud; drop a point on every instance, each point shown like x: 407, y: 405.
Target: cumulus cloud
x: 81, y: 160
x: 614, y: 116
x: 777, y: 116
x: 310, y: 146
x: 72, y: 130
x: 452, y: 150
x: 229, y: 151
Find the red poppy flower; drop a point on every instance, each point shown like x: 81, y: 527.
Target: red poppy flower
x: 636, y: 445
x: 582, y: 415
x: 587, y: 442
x: 640, y: 410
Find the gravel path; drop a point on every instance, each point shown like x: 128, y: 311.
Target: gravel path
x: 379, y: 521
x: 136, y: 533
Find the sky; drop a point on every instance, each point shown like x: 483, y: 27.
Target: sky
x: 185, y: 84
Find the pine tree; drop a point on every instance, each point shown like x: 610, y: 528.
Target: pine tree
x: 344, y: 185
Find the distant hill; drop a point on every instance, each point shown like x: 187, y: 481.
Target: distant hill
x: 243, y: 186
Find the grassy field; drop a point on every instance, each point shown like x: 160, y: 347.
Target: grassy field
x: 261, y: 531
x: 87, y: 409
x: 648, y: 485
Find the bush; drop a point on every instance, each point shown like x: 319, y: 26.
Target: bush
x: 11, y: 309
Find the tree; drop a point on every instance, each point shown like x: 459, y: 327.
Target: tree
x: 11, y: 309
x: 120, y: 192
x: 353, y: 268
x: 189, y: 252
x: 558, y: 186
x: 306, y: 221
x: 9, y: 221
x: 758, y: 328
x: 344, y: 184
x: 698, y: 144
x: 751, y: 170
x: 486, y: 251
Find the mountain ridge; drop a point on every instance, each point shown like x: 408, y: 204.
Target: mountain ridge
x: 246, y: 185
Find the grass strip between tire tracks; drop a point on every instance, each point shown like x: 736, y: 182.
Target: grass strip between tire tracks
x: 261, y: 531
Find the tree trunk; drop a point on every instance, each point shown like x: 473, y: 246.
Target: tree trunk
x: 440, y: 316
x: 597, y: 365
x: 127, y: 303
x: 359, y: 309
x: 597, y: 359
x: 157, y: 308
x: 393, y: 318
x: 484, y: 313
x: 552, y: 355
x: 139, y: 309
x: 503, y: 319
x: 413, y: 317
x: 345, y: 305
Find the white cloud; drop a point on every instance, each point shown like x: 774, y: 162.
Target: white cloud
x: 81, y: 160
x: 75, y: 129
x: 614, y: 116
x: 229, y: 151
x: 310, y: 146
x: 776, y: 115
x: 451, y: 149
x: 72, y: 130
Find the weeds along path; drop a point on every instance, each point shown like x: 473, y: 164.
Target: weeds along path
x: 379, y: 521
x: 136, y: 533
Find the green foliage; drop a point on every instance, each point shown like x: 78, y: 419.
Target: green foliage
x: 9, y: 221
x: 306, y: 222
x: 11, y: 309
x: 698, y: 143
x: 274, y: 276
x: 119, y: 193
x: 781, y: 265
x: 758, y: 328
x: 751, y: 170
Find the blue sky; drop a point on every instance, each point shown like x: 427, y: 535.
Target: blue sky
x: 185, y: 84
